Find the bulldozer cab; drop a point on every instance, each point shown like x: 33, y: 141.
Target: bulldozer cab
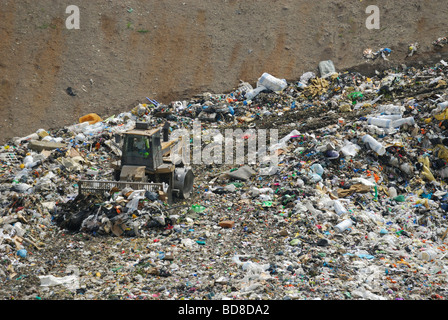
x: 142, y: 148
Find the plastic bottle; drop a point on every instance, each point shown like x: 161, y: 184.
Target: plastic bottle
x: 398, y: 123
x: 440, y: 107
x: 344, y: 225
x: 339, y: 208
x: 390, y: 116
x: 380, y: 122
x: 254, y: 92
x: 76, y: 128
x: 197, y: 208
x: 427, y: 255
x: 374, y: 144
x: 272, y: 83
x: 443, y: 105
x: 391, y: 109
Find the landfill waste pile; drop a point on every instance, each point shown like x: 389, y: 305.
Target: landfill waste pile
x: 355, y: 208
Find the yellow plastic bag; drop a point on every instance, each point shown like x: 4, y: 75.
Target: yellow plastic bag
x: 426, y: 172
x: 92, y: 118
x: 443, y: 152
x: 442, y: 116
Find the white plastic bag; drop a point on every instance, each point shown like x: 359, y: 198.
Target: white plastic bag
x: 272, y: 83
x: 71, y: 281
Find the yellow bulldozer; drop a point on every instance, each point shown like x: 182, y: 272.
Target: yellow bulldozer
x: 149, y: 161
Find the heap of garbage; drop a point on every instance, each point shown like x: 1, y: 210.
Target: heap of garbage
x: 355, y: 208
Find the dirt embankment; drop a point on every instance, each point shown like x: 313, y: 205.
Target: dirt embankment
x: 166, y: 50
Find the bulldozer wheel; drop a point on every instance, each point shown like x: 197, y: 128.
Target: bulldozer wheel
x: 183, y: 182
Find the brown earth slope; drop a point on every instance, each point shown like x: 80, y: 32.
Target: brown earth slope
x: 171, y: 49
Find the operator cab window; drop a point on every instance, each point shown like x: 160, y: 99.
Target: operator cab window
x: 138, y: 147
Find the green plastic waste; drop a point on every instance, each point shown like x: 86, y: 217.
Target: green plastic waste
x: 400, y: 198
x: 355, y: 96
x: 238, y: 184
x: 267, y: 203
x: 197, y: 208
